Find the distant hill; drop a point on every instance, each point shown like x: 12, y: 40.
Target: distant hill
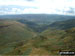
x: 63, y: 24
x: 37, y: 22
x: 39, y: 18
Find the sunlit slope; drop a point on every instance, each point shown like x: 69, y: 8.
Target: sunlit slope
x: 12, y: 31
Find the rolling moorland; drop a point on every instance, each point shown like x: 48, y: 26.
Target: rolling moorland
x: 36, y: 34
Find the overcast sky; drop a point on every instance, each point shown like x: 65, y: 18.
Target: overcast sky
x: 37, y: 6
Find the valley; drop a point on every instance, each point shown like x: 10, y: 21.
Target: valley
x: 37, y: 34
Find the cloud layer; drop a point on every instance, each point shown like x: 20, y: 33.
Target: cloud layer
x: 37, y: 6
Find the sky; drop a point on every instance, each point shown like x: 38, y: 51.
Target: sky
x: 37, y: 7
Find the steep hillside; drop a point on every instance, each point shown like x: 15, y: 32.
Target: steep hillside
x: 12, y: 31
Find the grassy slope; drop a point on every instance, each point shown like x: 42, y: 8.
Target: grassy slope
x: 69, y: 40
x: 49, y: 42
x: 12, y: 32
x: 46, y: 43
